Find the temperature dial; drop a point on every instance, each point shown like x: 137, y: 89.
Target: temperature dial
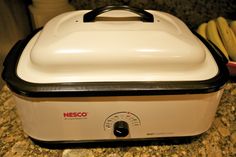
x: 121, y: 124
x: 121, y: 129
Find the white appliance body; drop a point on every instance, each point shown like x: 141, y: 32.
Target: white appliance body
x: 93, y: 118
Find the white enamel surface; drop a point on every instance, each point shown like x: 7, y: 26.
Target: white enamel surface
x: 160, y: 116
x: 68, y: 50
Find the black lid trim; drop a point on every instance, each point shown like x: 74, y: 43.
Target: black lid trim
x: 84, y: 89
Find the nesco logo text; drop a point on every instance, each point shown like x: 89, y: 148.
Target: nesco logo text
x: 75, y: 115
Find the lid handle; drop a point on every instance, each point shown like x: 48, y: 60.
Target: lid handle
x: 145, y: 16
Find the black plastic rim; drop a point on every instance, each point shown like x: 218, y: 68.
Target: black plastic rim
x: 116, y: 142
x: 84, y: 89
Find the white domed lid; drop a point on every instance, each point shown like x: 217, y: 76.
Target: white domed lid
x: 115, y: 49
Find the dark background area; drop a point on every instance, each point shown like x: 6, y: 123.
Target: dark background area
x: 192, y: 12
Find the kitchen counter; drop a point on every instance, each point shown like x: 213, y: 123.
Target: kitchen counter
x: 218, y: 141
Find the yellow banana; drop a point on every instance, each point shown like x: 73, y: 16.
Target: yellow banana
x: 233, y: 26
x: 202, y: 30
x: 213, y: 35
x: 227, y: 36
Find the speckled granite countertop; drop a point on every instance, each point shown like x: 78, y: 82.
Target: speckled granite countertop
x: 219, y: 141
x: 192, y: 12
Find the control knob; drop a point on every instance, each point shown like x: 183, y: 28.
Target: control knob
x: 121, y: 129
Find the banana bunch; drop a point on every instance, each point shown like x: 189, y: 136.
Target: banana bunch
x: 222, y: 34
